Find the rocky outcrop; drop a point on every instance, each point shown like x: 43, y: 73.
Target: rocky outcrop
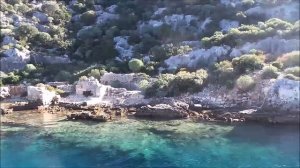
x: 4, y: 92
x: 14, y: 59
x: 162, y: 111
x: 40, y: 94
x: 40, y: 59
x: 102, y: 117
x: 283, y: 97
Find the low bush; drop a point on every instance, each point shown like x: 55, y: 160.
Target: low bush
x: 165, y: 51
x: 248, y: 63
x: 160, y: 86
x: 293, y: 70
x: 186, y: 82
x: 30, y: 68
x: 88, y: 17
x: 63, y: 76
x: 95, y: 73
x: 50, y: 8
x: 292, y: 77
x: 11, y: 79
x: 144, y: 84
x: 174, y: 85
x: 251, y: 33
x: 89, y: 33
x: 135, y: 65
x: 26, y: 31
x: 223, y: 73
x: 245, y: 83
x: 22, y: 8
x: 42, y: 38
x: 53, y: 89
x: 269, y: 72
x: 290, y: 59
x: 277, y: 64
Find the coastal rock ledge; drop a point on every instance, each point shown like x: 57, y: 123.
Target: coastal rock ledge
x: 162, y: 111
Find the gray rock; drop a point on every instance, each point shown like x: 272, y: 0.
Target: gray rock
x: 161, y: 111
x: 9, y: 40
x: 43, y: 18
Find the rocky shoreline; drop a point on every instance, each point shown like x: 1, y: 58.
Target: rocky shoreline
x: 268, y: 103
x: 167, y: 109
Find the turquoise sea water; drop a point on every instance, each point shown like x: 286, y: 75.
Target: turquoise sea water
x: 41, y: 141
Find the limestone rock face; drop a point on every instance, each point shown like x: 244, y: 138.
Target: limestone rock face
x: 43, y: 18
x: 9, y: 40
x: 4, y: 92
x: 161, y: 111
x: 14, y: 60
x: 283, y: 96
x: 125, y: 50
x: 286, y: 11
x: 40, y: 94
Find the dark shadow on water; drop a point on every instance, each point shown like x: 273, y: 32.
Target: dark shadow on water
x: 264, y: 134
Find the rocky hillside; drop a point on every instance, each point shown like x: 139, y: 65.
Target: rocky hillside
x: 190, y: 43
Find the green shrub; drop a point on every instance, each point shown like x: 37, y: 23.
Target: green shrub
x: 248, y: 63
x: 276, y: 23
x: 160, y: 86
x: 6, y: 7
x: 11, y: 79
x: 245, y: 83
x: 22, y: 8
x: 143, y: 84
x: 277, y: 64
x: 26, y: 31
x: 223, y: 73
x: 174, y: 85
x: 30, y: 68
x: 63, y: 76
x: 165, y: 51
x: 83, y: 78
x: 216, y: 39
x: 246, y: 33
x: 185, y: 82
x: 269, y: 72
x: 292, y: 77
x: 135, y: 65
x: 290, y: 59
x: 293, y: 70
x: 95, y: 73
x: 89, y: 33
x: 42, y: 38
x: 79, y: 7
x: 50, y: 8
x: 248, y: 2
x: 88, y: 17
x: 57, y: 11
x: 14, y: 2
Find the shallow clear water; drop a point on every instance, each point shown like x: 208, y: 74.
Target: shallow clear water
x: 41, y: 141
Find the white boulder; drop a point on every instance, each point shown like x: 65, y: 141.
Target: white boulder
x: 40, y: 94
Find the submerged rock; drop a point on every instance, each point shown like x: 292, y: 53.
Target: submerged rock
x: 102, y: 117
